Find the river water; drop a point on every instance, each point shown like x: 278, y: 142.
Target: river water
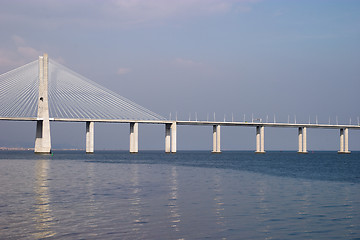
x: 187, y: 195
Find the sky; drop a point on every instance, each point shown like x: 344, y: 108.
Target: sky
x: 267, y: 59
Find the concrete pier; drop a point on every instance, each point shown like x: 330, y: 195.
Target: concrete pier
x: 173, y: 137
x: 260, y: 139
x: 302, y: 140
x: 134, y: 137
x: 300, y: 137
x: 216, y: 139
x: 170, y: 137
x: 344, y: 141
x: 89, y: 137
x: 43, y: 139
x: 167, y: 137
x: 257, y: 139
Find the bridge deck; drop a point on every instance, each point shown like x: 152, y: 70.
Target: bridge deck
x: 194, y: 123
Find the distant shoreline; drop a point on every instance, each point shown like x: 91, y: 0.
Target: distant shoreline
x: 32, y: 149
x: 15, y: 148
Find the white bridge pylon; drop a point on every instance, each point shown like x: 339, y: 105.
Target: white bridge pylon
x: 43, y: 139
x: 45, y: 91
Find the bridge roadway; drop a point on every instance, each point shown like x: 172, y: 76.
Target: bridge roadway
x: 196, y: 123
x: 170, y: 131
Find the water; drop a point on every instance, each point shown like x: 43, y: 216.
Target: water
x: 188, y: 195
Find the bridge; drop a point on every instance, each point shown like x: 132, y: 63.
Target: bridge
x: 44, y: 91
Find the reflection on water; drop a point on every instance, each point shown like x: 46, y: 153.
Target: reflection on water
x: 173, y: 198
x: 219, y: 202
x: 305, y: 199
x: 91, y: 221
x: 304, y: 206
x: 264, y: 211
x: 349, y: 213
x: 43, y: 215
x: 135, y: 201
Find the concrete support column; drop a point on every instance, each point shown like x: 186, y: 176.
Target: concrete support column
x: 218, y: 149
x: 43, y: 139
x: 341, y: 140
x: 260, y: 139
x: 134, y: 137
x: 167, y: 137
x: 262, y: 136
x: 344, y: 140
x: 300, y: 137
x: 304, y: 140
x: 216, y: 139
x: 173, y: 137
x: 89, y: 137
x: 257, y: 139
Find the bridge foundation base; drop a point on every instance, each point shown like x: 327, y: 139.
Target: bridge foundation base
x: 303, y: 152
x: 260, y: 152
x: 343, y: 152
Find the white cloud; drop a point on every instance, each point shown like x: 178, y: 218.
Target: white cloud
x: 133, y: 12
x: 18, y: 40
x: 188, y: 63
x: 165, y: 8
x: 114, y: 13
x: 278, y: 13
x: 138, y: 11
x: 59, y: 60
x: 28, y: 52
x: 17, y: 54
x: 122, y: 71
x: 7, y: 58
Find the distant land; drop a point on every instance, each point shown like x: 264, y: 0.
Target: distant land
x: 32, y: 149
x: 15, y: 148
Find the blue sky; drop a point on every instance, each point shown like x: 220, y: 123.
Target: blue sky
x: 263, y: 58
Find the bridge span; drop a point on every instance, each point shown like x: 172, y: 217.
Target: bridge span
x: 45, y: 91
x: 171, y: 132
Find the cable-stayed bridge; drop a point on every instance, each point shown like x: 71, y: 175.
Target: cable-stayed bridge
x: 45, y: 91
x: 70, y: 96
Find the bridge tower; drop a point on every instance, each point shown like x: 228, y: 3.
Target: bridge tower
x: 43, y: 139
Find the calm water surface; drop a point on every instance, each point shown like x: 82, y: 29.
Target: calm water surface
x: 188, y: 195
